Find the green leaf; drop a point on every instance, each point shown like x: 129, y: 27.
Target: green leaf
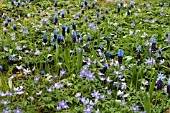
x: 128, y: 58
x: 10, y: 83
x: 147, y: 104
x: 151, y: 88
x: 79, y: 60
x: 58, y: 96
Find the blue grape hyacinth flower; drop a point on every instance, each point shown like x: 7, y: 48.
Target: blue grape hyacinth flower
x: 103, y: 16
x: 1, y: 68
x: 74, y: 25
x: 88, y: 6
x: 6, y: 23
x: 54, y: 45
x: 138, y: 52
x: 14, y: 27
x: 55, y: 18
x: 43, y: 72
x: 79, y: 35
x: 120, y: 55
x: 82, y: 4
x: 159, y: 82
x: 68, y: 11
x: 107, y: 54
x: 128, y: 12
x: 74, y: 36
x: 86, y: 18
x: 63, y: 29
x: 20, y: 13
x: 55, y: 4
x: 68, y: 29
x: 153, y: 41
x: 88, y: 37
x: 108, y: 40
x: 168, y: 88
x: 82, y: 10
x: 98, y: 8
x: 105, y: 67
x: 22, y: 4
x: 62, y: 14
x: 45, y: 38
x: 93, y: 4
x: 106, y: 10
x: 12, y: 2
x: 118, y: 7
x: 85, y: 2
x: 55, y: 34
x: 60, y: 39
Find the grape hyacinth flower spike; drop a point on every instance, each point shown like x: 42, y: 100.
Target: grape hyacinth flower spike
x: 120, y: 55
x: 18, y: 3
x: 78, y: 35
x: 60, y: 39
x: 166, y: 34
x: 55, y: 19
x: 62, y: 14
x: 82, y: 10
x: 168, y: 88
x: 85, y: 2
x: 128, y: 12
x: 88, y: 6
x: 98, y: 8
x: 28, y: 6
x: 54, y: 45
x: 103, y: 17
x: 98, y: 21
x: 8, y: 19
x: 108, y: 40
x: 20, y: 13
x: 68, y: 29
x: 105, y: 67
x: 14, y: 27
x: 97, y: 15
x: 138, y: 52
x: 1, y: 68
x: 74, y: 25
x: 86, y: 18
x: 63, y: 29
x: 82, y: 4
x: 107, y: 54
x: 55, y: 4
x: 22, y: 4
x: 45, y: 38
x: 101, y: 48
x: 159, y: 82
x: 12, y: 2
x: 106, y: 11
x: 131, y: 4
x: 68, y: 11
x: 118, y: 7
x: 93, y: 4
x: 88, y: 37
x: 159, y: 54
x: 6, y: 23
x: 74, y: 36
x: 153, y: 41
x: 55, y: 34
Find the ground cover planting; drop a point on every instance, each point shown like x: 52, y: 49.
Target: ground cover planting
x: 84, y: 56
